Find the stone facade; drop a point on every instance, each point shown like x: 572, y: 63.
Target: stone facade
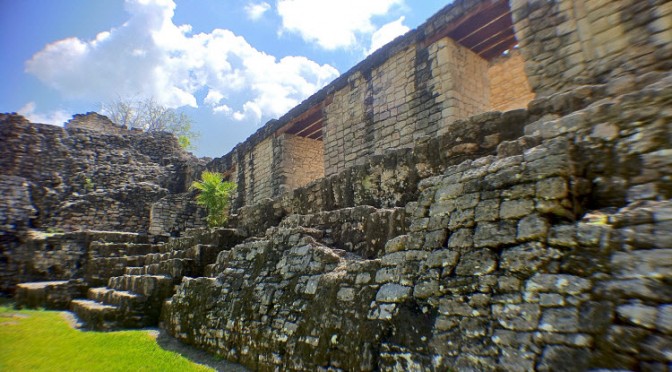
x: 68, y: 174
x: 417, y: 86
x: 503, y: 262
x: 509, y: 89
x: 76, y: 178
x: 176, y: 213
x: 570, y: 43
x: 531, y: 239
x: 301, y: 161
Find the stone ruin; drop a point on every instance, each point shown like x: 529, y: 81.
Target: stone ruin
x: 491, y: 191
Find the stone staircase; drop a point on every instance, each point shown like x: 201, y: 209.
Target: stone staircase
x: 142, y: 277
x: 107, y: 260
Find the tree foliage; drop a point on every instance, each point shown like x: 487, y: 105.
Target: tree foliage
x: 150, y: 116
x: 215, y: 195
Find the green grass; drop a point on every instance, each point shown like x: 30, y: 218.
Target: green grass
x: 34, y: 340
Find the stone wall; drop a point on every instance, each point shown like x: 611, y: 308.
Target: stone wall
x: 416, y: 86
x: 96, y: 122
x: 509, y: 89
x: 301, y: 161
x: 176, y: 213
x: 54, y: 256
x: 82, y: 179
x: 390, y: 180
x: 414, y: 93
x: 569, y: 43
x: 535, y: 257
x: 258, y: 172
x: 460, y: 81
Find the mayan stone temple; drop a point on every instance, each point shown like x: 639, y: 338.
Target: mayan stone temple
x: 491, y: 191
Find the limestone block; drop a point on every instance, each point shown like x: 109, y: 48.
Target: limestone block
x: 638, y: 314
x: 477, y: 262
x: 656, y: 263
x: 516, y: 208
x: 564, y: 320
x: 528, y: 258
x: 517, y: 317
x: 558, y: 283
x: 392, y: 292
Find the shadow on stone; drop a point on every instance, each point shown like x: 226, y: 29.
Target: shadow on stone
x: 199, y: 356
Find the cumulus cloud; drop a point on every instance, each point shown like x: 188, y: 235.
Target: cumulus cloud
x: 150, y: 56
x: 256, y: 10
x: 387, y: 33
x: 332, y: 24
x: 58, y: 117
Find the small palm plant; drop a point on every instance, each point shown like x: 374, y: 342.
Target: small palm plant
x: 215, y: 195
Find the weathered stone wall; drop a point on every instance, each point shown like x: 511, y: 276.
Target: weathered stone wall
x: 96, y: 122
x: 301, y: 161
x: 176, y: 213
x: 459, y: 80
x: 538, y: 257
x: 390, y: 180
x: 569, y: 43
x: 82, y: 179
x: 53, y: 256
x: 509, y: 89
x: 258, y: 172
x: 414, y: 87
x: 413, y: 93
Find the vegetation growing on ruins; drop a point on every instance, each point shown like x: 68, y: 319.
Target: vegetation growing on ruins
x: 43, y: 341
x: 150, y: 116
x: 215, y: 195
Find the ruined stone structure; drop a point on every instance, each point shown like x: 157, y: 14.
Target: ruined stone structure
x: 92, y: 174
x: 491, y: 191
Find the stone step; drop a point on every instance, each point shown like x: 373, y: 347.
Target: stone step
x: 124, y: 300
x: 101, y: 269
x: 133, y: 270
x: 154, y: 258
x: 176, y: 268
x: 117, y: 237
x: 52, y: 295
x: 95, y: 315
x: 147, y: 285
x: 205, y: 254
x: 209, y: 270
x: 103, y: 249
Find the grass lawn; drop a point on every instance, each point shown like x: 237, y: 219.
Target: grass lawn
x: 33, y: 340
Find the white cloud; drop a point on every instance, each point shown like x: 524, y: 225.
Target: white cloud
x: 58, y: 117
x: 387, y: 33
x: 256, y: 10
x: 150, y: 56
x: 329, y: 23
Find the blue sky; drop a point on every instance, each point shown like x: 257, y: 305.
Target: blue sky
x: 230, y: 64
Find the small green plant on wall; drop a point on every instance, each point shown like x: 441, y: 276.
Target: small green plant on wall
x: 88, y: 184
x: 215, y: 195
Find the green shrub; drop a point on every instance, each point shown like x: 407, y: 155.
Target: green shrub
x: 215, y: 195
x: 88, y: 184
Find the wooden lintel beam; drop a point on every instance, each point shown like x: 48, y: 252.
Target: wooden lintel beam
x: 309, y: 127
x: 487, y: 32
x: 485, y: 10
x: 498, y: 48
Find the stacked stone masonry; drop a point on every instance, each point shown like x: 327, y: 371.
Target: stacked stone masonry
x: 302, y: 161
x: 443, y: 236
x: 504, y: 263
x: 509, y: 89
x: 66, y: 175
x: 416, y: 87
